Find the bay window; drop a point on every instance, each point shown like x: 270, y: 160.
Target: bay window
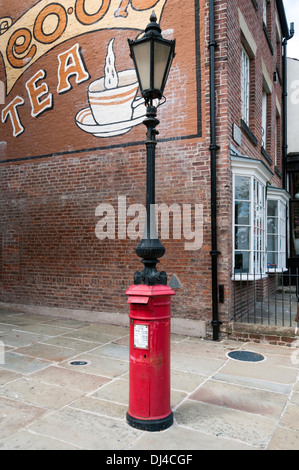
x: 259, y: 220
x: 277, y: 201
x: 249, y: 241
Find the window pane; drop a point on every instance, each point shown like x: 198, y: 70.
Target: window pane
x: 276, y: 234
x: 264, y: 120
x: 265, y: 11
x: 272, y: 225
x: 282, y: 260
x: 242, y: 239
x: 242, y: 262
x: 245, y: 77
x: 273, y: 208
x: 242, y: 188
x: 260, y: 195
x: 259, y: 228
x: 272, y: 243
x: 242, y: 213
x: 273, y: 259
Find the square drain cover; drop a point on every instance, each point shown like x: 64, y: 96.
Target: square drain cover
x: 246, y: 356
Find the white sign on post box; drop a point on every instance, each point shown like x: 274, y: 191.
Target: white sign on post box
x: 140, y: 336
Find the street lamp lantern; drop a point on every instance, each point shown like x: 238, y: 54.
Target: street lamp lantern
x: 152, y: 56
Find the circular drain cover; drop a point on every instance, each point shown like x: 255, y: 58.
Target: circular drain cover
x: 246, y: 356
x: 78, y: 363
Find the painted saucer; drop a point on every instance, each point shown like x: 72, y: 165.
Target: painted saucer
x: 85, y: 120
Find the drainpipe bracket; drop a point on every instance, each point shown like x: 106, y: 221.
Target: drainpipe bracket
x: 214, y: 147
x: 216, y: 323
x: 215, y: 253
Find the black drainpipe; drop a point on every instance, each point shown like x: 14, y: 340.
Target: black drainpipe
x: 213, y: 149
x: 285, y: 102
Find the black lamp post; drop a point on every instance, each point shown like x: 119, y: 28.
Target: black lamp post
x: 152, y: 56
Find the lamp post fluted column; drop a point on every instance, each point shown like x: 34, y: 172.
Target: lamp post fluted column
x: 150, y: 249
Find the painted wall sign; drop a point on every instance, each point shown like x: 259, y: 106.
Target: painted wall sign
x: 67, y: 73
x: 48, y: 24
x: 114, y: 107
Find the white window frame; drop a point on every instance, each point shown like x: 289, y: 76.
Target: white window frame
x: 276, y: 141
x: 265, y: 11
x: 264, y: 119
x: 245, y: 85
x: 277, y: 132
x: 259, y: 176
x: 282, y: 198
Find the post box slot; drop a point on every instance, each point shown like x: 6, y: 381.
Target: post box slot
x: 138, y: 300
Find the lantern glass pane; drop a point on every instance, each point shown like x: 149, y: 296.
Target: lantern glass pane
x: 143, y: 62
x: 162, y: 55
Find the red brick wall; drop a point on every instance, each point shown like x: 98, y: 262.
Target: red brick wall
x: 271, y: 59
x: 253, y: 19
x: 50, y: 255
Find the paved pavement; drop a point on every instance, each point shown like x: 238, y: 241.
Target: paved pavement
x: 218, y: 402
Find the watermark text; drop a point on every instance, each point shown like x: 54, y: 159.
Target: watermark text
x: 175, y: 221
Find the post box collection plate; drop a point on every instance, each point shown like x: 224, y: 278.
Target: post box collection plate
x: 140, y: 336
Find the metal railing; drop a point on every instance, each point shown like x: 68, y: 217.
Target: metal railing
x: 266, y: 298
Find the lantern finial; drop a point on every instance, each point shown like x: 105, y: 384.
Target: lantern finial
x: 153, y: 17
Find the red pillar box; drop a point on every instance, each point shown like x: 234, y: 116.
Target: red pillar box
x: 149, y: 393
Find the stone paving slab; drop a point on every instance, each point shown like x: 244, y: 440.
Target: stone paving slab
x: 284, y: 439
x: 203, y: 349
x: 97, y: 365
x: 41, y: 328
x: 86, y: 430
x: 25, y: 440
x: 117, y: 351
x: 17, y: 339
x: 46, y: 351
x: 8, y: 376
x: 254, y: 383
x: 251, y: 429
x: 262, y: 371
x: 15, y: 415
x: 19, y: 319
x: 98, y: 333
x: 46, y: 403
x: 72, y: 379
x: 185, y: 381
x: 266, y: 349
x: 241, y: 398
x: 290, y: 419
x: 39, y: 394
x: 116, y: 391
x: 179, y: 438
x: 196, y: 365
x: 110, y: 409
x: 4, y: 328
x: 23, y: 364
x: 70, y: 343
